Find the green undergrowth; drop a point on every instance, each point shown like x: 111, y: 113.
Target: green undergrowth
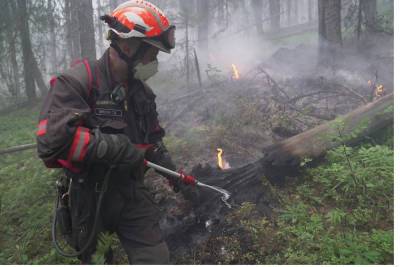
x: 340, y: 212
x: 27, y: 191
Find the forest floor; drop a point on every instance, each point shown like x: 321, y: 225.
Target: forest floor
x: 332, y: 214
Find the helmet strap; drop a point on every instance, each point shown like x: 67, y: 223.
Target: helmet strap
x: 130, y: 61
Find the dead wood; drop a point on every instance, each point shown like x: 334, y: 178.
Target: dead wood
x: 17, y: 149
x: 283, y: 159
x: 352, y: 127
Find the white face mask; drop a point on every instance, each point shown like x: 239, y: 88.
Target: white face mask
x: 144, y: 72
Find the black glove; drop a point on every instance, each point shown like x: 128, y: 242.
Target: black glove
x: 158, y: 154
x: 116, y: 149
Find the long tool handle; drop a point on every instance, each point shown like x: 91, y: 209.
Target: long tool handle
x: 186, y: 178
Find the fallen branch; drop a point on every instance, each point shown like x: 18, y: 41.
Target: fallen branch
x: 17, y: 148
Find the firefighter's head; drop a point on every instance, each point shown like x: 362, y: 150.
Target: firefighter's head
x: 138, y: 31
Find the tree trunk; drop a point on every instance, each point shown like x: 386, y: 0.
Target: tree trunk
x: 310, y: 5
x: 330, y: 34
x: 86, y: 29
x: 257, y: 6
x: 202, y: 29
x: 27, y: 54
x: 348, y: 129
x: 275, y: 14
x: 289, y: 12
x: 296, y: 11
x: 369, y: 9
x: 283, y: 159
x: 72, y: 24
x: 99, y: 23
x: 221, y: 11
x: 184, y: 7
x: 14, y: 63
x: 11, y: 29
x: 38, y: 77
x: 53, y: 39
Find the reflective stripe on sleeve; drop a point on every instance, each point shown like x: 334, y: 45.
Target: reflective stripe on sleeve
x: 79, y: 145
x: 42, y: 127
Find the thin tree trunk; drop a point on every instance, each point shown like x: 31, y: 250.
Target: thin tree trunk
x: 310, y: 5
x: 14, y: 63
x: 275, y: 14
x: 202, y: 30
x: 27, y: 54
x: 296, y: 11
x: 73, y: 36
x: 289, y: 12
x: 99, y: 23
x: 86, y: 30
x: 11, y: 29
x: 187, y: 65
x: 221, y: 10
x: 369, y: 8
x: 257, y: 6
x: 68, y: 29
x: 38, y: 77
x: 53, y: 37
x: 185, y: 6
x: 330, y: 35
x: 359, y: 20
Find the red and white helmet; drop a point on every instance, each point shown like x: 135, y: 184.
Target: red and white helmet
x: 142, y: 19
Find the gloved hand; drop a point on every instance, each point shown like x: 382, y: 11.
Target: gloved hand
x: 116, y: 149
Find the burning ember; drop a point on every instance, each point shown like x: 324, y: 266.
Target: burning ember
x: 235, y: 72
x: 378, y: 91
x: 222, y: 163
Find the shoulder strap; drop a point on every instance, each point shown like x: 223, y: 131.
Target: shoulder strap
x: 90, y: 67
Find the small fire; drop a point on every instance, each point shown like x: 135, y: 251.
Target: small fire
x: 222, y: 163
x: 379, y: 90
x: 235, y: 72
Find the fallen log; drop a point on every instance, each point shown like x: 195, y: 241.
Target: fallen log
x: 283, y: 159
x: 17, y: 149
x: 249, y: 182
x: 348, y: 129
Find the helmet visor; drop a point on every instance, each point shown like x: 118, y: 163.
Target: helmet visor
x: 165, y: 42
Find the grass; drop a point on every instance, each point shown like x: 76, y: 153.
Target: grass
x: 26, y: 196
x: 335, y: 215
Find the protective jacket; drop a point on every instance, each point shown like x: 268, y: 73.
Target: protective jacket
x: 80, y: 101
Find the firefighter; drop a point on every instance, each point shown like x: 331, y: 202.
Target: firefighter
x: 101, y: 116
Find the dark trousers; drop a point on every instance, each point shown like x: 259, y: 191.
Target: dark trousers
x: 130, y: 211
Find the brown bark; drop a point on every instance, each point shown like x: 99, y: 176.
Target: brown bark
x: 86, y: 29
x: 53, y: 39
x: 330, y: 34
x: 11, y: 30
x: 348, y: 129
x: 369, y: 10
x: 27, y: 53
x: 38, y: 77
x: 72, y: 26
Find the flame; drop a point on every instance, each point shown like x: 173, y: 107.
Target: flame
x: 235, y: 72
x: 222, y: 163
x: 379, y: 90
